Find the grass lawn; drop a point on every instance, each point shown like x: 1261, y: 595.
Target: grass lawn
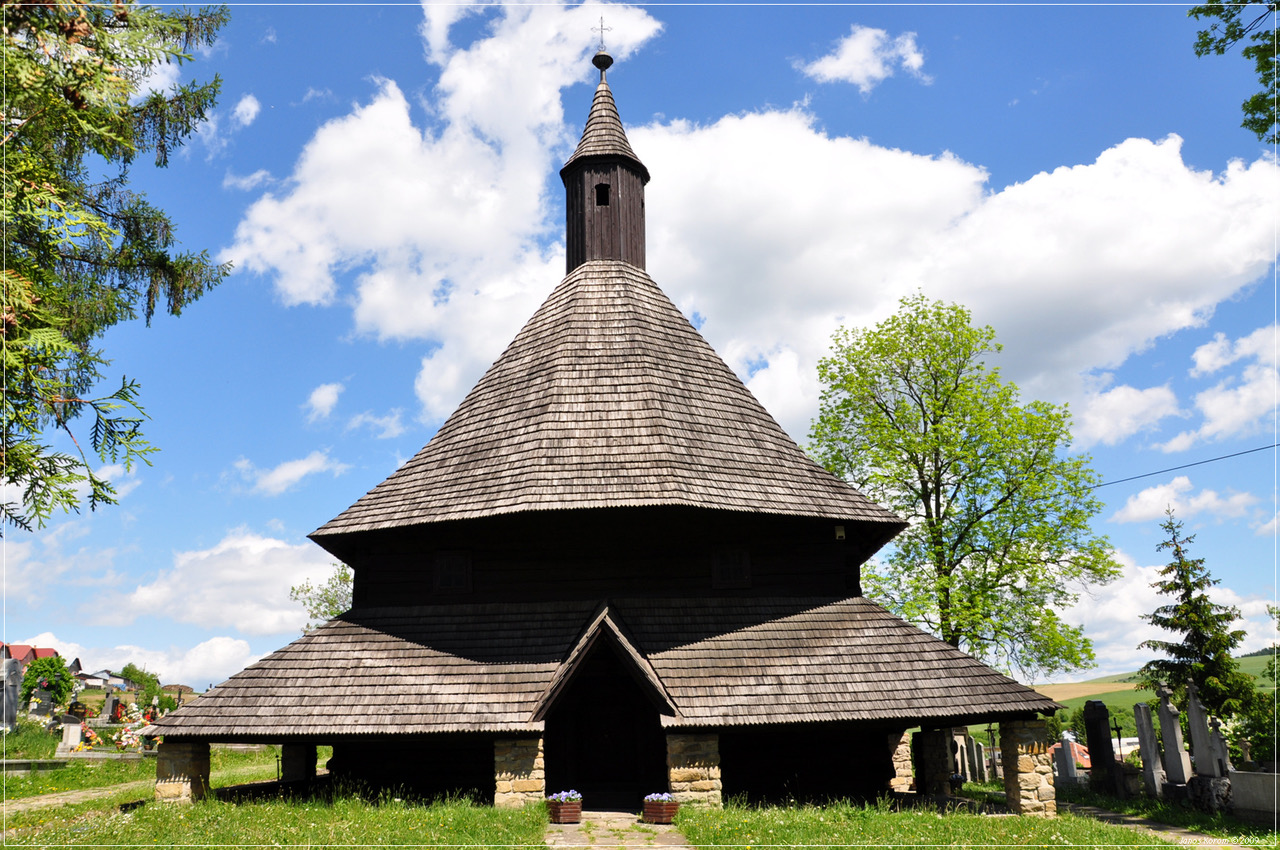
x: 344, y: 820
x: 227, y: 767
x: 843, y: 825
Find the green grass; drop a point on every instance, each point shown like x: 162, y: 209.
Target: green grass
x: 30, y: 741
x: 1219, y: 825
x: 842, y: 825
x: 227, y: 767
x: 344, y: 819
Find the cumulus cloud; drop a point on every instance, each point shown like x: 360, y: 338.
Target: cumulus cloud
x: 278, y: 479
x: 322, y: 401
x: 384, y: 427
x: 206, y: 663
x: 240, y: 583
x: 1112, y: 617
x: 247, y: 109
x: 444, y: 224
x: 1076, y: 269
x: 1150, y: 504
x: 867, y: 57
x: 445, y: 233
x: 1111, y: 417
x: 1238, y: 405
x: 247, y: 182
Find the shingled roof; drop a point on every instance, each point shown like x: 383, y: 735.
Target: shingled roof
x: 604, y: 135
x: 494, y: 667
x: 608, y: 397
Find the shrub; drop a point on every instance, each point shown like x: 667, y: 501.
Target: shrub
x: 48, y: 674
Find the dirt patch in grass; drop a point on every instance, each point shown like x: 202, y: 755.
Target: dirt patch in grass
x: 1075, y: 690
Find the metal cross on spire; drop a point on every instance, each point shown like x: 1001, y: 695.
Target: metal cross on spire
x: 602, y: 29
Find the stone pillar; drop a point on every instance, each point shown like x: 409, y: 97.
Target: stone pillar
x: 1028, y: 773
x: 971, y: 758
x: 297, y: 762
x: 1149, y: 748
x: 693, y: 768
x: 900, y: 746
x: 980, y: 756
x: 932, y: 750
x: 518, y: 772
x: 1177, y: 765
x: 182, y: 771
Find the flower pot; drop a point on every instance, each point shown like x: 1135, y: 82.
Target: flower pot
x: 570, y: 811
x: 660, y: 811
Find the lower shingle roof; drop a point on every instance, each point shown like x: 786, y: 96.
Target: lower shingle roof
x: 485, y: 668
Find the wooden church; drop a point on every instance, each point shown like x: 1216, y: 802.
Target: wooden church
x: 612, y: 571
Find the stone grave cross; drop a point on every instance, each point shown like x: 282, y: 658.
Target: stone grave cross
x: 1177, y: 764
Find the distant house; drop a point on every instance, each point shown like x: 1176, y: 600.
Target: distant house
x: 24, y: 654
x: 105, y: 678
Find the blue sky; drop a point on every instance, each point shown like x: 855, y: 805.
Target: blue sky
x: 385, y: 180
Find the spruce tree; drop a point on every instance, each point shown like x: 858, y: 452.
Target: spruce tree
x: 1203, y: 654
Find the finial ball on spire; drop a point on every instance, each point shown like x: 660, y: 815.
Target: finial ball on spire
x: 602, y: 60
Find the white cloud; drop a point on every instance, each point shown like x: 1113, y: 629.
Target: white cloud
x: 1150, y: 504
x: 1269, y: 528
x: 36, y: 566
x: 1075, y: 269
x: 241, y: 583
x: 1113, y: 416
x: 322, y: 400
x: 1239, y: 405
x: 443, y: 230
x: 385, y: 427
x: 247, y: 109
x: 277, y: 479
x: 1111, y: 616
x: 209, y: 662
x: 867, y: 57
x: 443, y: 225
x: 248, y: 182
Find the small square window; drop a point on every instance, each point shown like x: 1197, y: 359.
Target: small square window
x: 731, y: 568
x: 453, y: 572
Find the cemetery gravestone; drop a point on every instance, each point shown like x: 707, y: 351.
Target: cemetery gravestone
x: 42, y: 703
x: 12, y: 687
x: 78, y: 710
x: 1198, y: 725
x: 1218, y: 748
x: 982, y: 761
x: 1152, y: 771
x: 1066, y: 760
x: 1177, y: 764
x: 111, y: 709
x: 1104, y: 773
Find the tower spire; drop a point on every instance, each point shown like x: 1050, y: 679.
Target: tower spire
x: 604, y: 185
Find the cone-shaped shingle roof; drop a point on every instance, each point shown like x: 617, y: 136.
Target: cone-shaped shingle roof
x: 608, y: 397
x: 604, y: 136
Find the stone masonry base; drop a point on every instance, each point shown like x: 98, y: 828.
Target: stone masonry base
x: 518, y: 772
x: 693, y: 768
x: 182, y: 771
x: 1028, y: 768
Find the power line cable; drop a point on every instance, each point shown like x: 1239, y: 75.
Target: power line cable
x: 1184, y: 466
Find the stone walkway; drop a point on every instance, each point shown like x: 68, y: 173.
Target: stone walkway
x: 1172, y: 834
x: 610, y: 830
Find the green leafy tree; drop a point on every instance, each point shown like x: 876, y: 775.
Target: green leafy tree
x: 82, y: 251
x: 148, y: 686
x: 999, y: 513
x: 1233, y: 23
x: 325, y: 601
x: 1202, y: 654
x: 47, y: 674
x: 1258, y: 725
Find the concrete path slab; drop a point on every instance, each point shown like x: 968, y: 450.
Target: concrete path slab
x: 615, y: 831
x: 1172, y: 834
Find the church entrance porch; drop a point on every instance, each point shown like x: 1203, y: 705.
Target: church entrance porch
x: 603, y: 737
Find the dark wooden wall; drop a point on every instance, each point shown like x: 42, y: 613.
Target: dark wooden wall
x: 656, y: 551
x: 613, y: 232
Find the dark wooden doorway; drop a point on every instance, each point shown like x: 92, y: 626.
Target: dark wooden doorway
x: 603, y: 736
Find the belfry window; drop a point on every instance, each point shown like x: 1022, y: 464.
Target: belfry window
x: 602, y: 194
x: 452, y: 572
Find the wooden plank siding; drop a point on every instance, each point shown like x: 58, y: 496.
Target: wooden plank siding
x: 610, y: 232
